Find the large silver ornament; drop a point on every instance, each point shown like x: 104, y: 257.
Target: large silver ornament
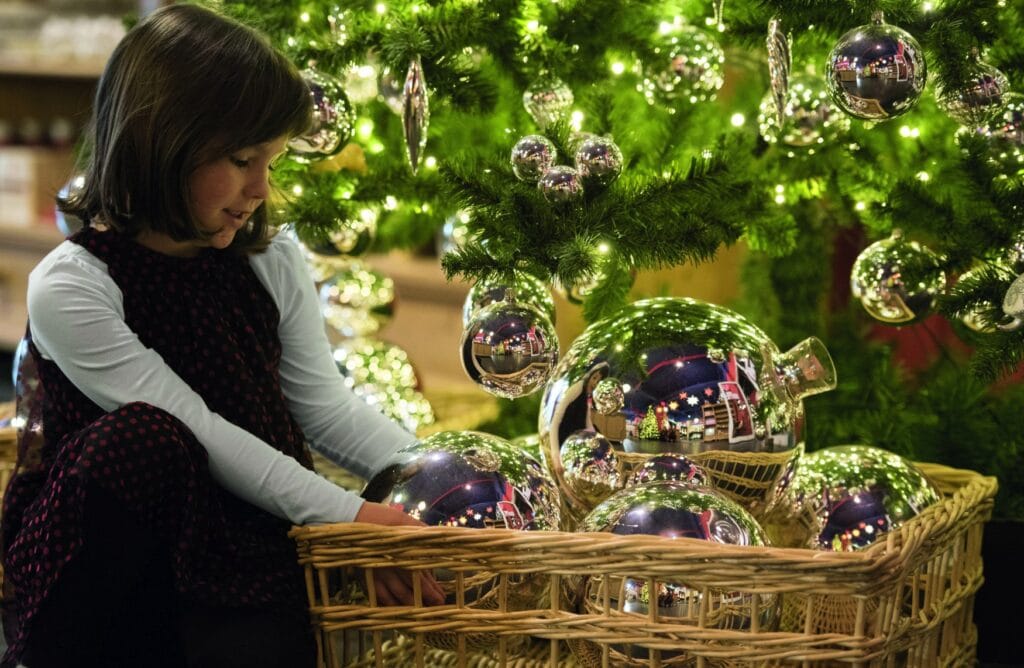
x: 532, y: 156
x: 353, y: 292
x: 845, y: 498
x: 1013, y: 306
x: 688, y: 67
x: 897, y: 281
x: 524, y: 288
x: 548, y: 99
x: 560, y: 184
x: 876, y: 71
x: 780, y: 60
x: 67, y: 223
x: 591, y: 466
x: 695, y: 379
x: 671, y: 510
x: 333, y: 119
x: 809, y: 116
x: 980, y: 101
x: 509, y: 349
x: 415, y: 113
x: 598, y: 160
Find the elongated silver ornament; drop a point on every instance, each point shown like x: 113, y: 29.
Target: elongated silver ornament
x: 780, y: 60
x: 415, y: 113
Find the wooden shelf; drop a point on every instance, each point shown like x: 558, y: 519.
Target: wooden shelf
x: 51, y: 69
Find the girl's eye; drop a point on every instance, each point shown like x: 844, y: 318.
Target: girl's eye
x: 238, y: 162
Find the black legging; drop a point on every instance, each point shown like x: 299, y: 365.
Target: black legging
x: 114, y: 606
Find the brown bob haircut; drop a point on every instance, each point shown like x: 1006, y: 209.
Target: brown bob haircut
x: 186, y: 86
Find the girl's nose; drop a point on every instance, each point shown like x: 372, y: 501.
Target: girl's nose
x: 259, y: 187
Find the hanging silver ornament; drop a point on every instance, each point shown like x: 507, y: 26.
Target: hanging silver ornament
x: 1013, y: 306
x: 1005, y: 134
x: 845, y: 498
x: 598, y: 160
x: 453, y: 233
x: 415, y: 113
x: 780, y: 60
x: 669, y: 467
x: 560, y: 184
x: 608, y: 397
x: 548, y: 99
x: 1013, y: 257
x: 357, y: 300
x: 524, y: 288
x: 975, y: 318
x: 591, y: 468
x: 876, y: 71
x: 355, y: 235
x: 333, y: 119
x: 978, y: 102
x: 897, y: 281
x: 509, y: 349
x: 68, y: 223
x: 810, y: 118
x: 687, y: 68
x: 532, y: 156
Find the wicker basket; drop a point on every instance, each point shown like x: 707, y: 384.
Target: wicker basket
x: 906, y: 600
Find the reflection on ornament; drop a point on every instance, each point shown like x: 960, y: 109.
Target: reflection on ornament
x: 548, y: 99
x: 809, y: 116
x: 415, y: 113
x: 688, y: 67
x: 28, y: 400
x: 897, y: 281
x: 608, y: 397
x: 524, y: 288
x: 68, y: 223
x: 333, y: 119
x: 453, y: 234
x: 780, y: 60
x: 980, y: 101
x: 529, y: 443
x: 598, y: 160
x: 532, y: 156
x: 669, y: 467
x: 847, y: 497
x: 353, y: 292
x: 509, y: 350
x: 876, y: 71
x: 671, y: 510
x: 591, y: 471
x: 1013, y: 306
x: 560, y: 184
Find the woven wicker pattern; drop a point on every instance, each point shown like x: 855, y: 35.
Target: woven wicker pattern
x: 906, y: 600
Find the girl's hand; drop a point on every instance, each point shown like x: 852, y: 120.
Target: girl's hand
x: 393, y: 586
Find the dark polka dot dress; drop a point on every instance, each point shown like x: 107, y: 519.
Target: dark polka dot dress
x: 215, y: 325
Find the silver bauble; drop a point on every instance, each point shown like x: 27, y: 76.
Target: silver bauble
x: 980, y: 101
x: 672, y: 510
x: 608, y: 397
x: 532, y: 156
x: 669, y: 467
x: 809, y: 116
x: 1005, y: 134
x: 560, y: 184
x: 876, y: 71
x: 28, y: 399
x: 598, y: 160
x: 548, y: 99
x: 1013, y: 256
x: 509, y: 349
x: 523, y: 288
x: 697, y: 379
x: 333, y: 119
x: 845, y: 498
x: 355, y: 235
x: 353, y: 291
x: 591, y: 466
x: 687, y: 66
x: 67, y: 223
x: 897, y: 281
x: 415, y: 113
x: 453, y: 233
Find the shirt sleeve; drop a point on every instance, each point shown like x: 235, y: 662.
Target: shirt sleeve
x: 340, y: 425
x: 77, y: 320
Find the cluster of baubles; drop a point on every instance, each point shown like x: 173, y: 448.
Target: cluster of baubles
x: 597, y: 162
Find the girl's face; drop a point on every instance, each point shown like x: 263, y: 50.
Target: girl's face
x: 227, y: 191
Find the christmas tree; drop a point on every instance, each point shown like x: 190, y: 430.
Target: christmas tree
x: 702, y: 125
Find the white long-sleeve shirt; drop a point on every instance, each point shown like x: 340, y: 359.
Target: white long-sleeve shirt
x: 77, y: 320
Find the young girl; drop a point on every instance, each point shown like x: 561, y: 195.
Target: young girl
x: 184, y: 366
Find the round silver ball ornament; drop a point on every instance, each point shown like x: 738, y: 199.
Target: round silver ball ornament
x: 560, y: 184
x: 669, y: 467
x: 598, y: 160
x: 608, y: 397
x: 548, y: 99
x: 67, y: 223
x: 980, y: 101
x: 355, y: 235
x: 809, y: 117
x: 591, y: 467
x: 509, y: 349
x: 876, y: 71
x: 532, y: 156
x: 333, y: 119
x: 523, y: 288
x: 1005, y: 135
x: 896, y: 280
x: 353, y: 291
x: 687, y: 68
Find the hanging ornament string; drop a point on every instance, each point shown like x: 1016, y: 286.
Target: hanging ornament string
x: 780, y: 60
x: 719, y: 7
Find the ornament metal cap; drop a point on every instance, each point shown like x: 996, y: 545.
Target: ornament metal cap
x: 804, y: 370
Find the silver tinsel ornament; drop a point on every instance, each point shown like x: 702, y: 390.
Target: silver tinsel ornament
x: 532, y: 156
x: 548, y: 99
x: 688, y: 67
x: 561, y: 184
x: 780, y: 60
x: 415, y: 113
x: 333, y: 119
x: 598, y: 160
x: 591, y: 467
x: 897, y: 281
x: 357, y: 300
x: 524, y: 288
x: 509, y: 349
x: 876, y: 71
x: 978, y: 102
x: 809, y: 119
